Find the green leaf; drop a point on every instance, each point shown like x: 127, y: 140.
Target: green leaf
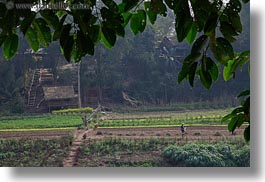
x: 107, y: 14
x: 247, y: 134
x: 232, y: 124
x: 211, y: 23
x: 205, y: 76
x: 237, y: 110
x: 60, y: 13
x: 236, y: 22
x: 192, y: 72
x: 111, y: 5
x: 228, y: 70
x: 188, y: 61
x: 119, y: 30
x: 232, y: 65
x: 192, y: 34
x: 142, y: 19
x: 43, y: 32
x: 50, y: 17
x: 227, y: 117
x: 206, y: 79
x: 108, y: 36
x: 228, y: 31
x: 242, y: 59
x: 32, y: 38
x: 183, y: 26
x: 158, y: 7
x: 240, y: 120
x: 201, y: 9
x: 58, y: 30
x: 126, y: 16
x: 234, y: 5
x: 85, y: 44
x: 199, y: 44
x: 212, y: 69
x: 246, y: 105
x: 135, y: 23
x: 82, y: 45
x: 244, y: 93
x: 26, y: 23
x: 67, y: 42
x: 151, y: 15
x: 224, y: 50
x: 171, y: 3
x: 10, y: 46
x: 94, y: 33
x: 128, y: 5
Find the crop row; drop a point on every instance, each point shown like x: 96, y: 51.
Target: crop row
x: 34, y: 153
x: 49, y: 121
x: 161, y: 122
x: 113, y: 152
x: 111, y: 146
x: 61, y: 121
x: 73, y: 111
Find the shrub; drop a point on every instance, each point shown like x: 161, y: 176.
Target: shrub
x: 208, y: 155
x: 74, y: 110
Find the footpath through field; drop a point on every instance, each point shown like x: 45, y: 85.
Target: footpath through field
x: 72, y: 158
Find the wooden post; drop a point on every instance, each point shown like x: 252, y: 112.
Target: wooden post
x: 79, y: 91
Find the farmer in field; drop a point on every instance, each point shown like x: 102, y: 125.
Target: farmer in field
x: 183, y: 129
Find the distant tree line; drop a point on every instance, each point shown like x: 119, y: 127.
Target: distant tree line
x: 133, y: 66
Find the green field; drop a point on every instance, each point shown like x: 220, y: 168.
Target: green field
x: 112, y: 151
x: 42, y: 121
x: 34, y: 153
x: 154, y: 152
x: 152, y: 119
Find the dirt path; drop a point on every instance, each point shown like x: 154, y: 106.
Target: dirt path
x: 72, y: 158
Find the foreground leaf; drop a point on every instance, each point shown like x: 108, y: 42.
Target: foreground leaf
x: 10, y: 46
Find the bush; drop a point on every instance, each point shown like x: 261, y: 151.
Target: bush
x: 75, y: 110
x: 208, y: 155
x: 17, y: 106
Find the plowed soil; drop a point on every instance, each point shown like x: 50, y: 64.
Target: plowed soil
x: 47, y: 134
x: 192, y: 132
